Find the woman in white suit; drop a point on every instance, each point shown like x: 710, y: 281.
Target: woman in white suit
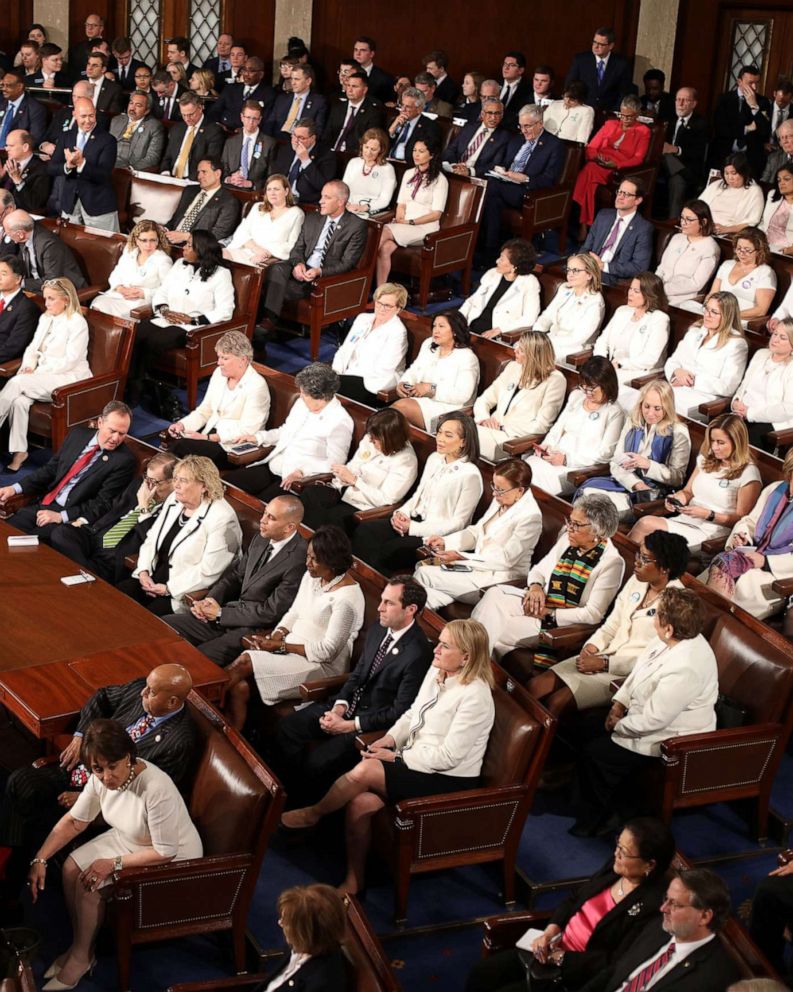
x: 573, y: 317
x: 508, y: 296
x: 57, y: 355
x: 710, y: 361
x: 671, y: 692
x: 570, y: 118
x: 237, y: 401
x: 765, y: 397
x: 496, y: 549
x: 193, y: 541
x: 690, y: 257
x: 141, y: 269
x: 315, y: 436
x: 524, y: 399
x: 574, y: 583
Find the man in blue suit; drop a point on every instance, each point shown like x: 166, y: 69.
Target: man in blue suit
x: 18, y: 110
x: 481, y: 144
x: 621, y: 240
x: 533, y: 161
x: 302, y: 103
x: 606, y: 74
x: 86, y: 157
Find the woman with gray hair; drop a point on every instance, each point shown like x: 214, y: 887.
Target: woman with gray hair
x: 574, y: 583
x: 315, y: 436
x: 237, y: 402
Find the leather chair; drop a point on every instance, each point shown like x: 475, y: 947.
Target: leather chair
x: 480, y: 825
x: 451, y: 248
x: 122, y: 183
x: 368, y: 966
x: 97, y: 253
x: 150, y: 199
x: 235, y: 803
x: 647, y: 172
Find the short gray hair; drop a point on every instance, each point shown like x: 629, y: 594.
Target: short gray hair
x: 417, y: 95
x: 786, y: 125
x: 532, y: 110
x: 486, y: 100
x: 601, y: 514
x: 319, y: 381
x: 235, y: 343
x: 631, y: 102
x: 187, y: 98
x: 7, y: 201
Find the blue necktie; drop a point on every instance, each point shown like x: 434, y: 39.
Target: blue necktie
x: 82, y: 137
x: 246, y: 154
x: 523, y: 156
x: 601, y: 71
x: 403, y: 137
x: 6, y: 126
x: 294, y: 172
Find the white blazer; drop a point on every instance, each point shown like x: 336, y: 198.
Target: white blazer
x: 769, y: 387
x: 500, y: 548
x: 669, y: 693
x: 584, y: 438
x: 573, y: 124
x: 201, y: 552
x: 59, y: 347
x: 184, y: 292
x: 571, y: 321
x: 769, y: 210
x: 231, y: 413
x: 717, y: 371
x: 377, y: 356
x: 379, y: 479
x: 635, y: 346
x: 445, y: 498
x: 604, y: 582
x: 453, y: 736
x: 687, y: 267
x: 128, y: 273
x: 531, y: 411
x: 456, y: 376
x: 785, y: 308
x: 310, y: 442
x: 518, y: 307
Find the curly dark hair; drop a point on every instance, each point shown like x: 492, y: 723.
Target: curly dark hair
x: 332, y: 549
x: 209, y: 252
x: 670, y: 550
x: 436, y: 163
x: 522, y: 255
x: 107, y: 739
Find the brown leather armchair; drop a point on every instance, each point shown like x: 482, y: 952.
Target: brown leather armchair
x: 235, y: 803
x: 97, y: 253
x: 479, y: 825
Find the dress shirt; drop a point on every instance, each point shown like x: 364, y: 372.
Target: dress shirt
x: 681, y: 952
x: 282, y: 979
x: 681, y: 122
x: 194, y: 129
x: 608, y: 256
x: 63, y: 495
x: 317, y: 256
x: 395, y: 636
x: 206, y: 193
x: 156, y: 721
x: 403, y: 139
x: 472, y: 159
x: 779, y: 116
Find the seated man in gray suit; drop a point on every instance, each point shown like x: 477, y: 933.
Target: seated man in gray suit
x: 331, y: 241
x: 255, y: 591
x: 246, y: 154
x: 140, y: 138
x: 783, y: 155
x: 209, y: 208
x: 43, y: 255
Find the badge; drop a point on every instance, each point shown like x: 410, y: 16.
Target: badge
x: 651, y: 612
x: 394, y: 650
x: 104, y: 458
x: 594, y: 416
x: 158, y: 738
x: 635, y: 597
x: 746, y: 284
x: 724, y: 484
x: 366, y: 455
x: 635, y: 909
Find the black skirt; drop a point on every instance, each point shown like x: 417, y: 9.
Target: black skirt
x: 402, y: 782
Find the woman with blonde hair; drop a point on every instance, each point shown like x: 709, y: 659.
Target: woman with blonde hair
x: 370, y: 176
x: 437, y: 745
x: 765, y: 397
x: 57, y: 355
x: 709, y: 362
x: 723, y: 487
x: 141, y: 269
x: 177, y: 73
x: 270, y: 229
x: 574, y: 315
x: 202, y: 82
x: 525, y: 398
x: 652, y: 453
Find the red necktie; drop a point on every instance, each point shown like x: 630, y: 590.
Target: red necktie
x: 473, y: 147
x: 2, y: 304
x: 649, y: 971
x: 76, y: 468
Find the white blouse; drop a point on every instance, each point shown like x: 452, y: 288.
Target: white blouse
x: 379, y: 479
x: 308, y: 441
x: 278, y: 235
x: 128, y: 272
x: 585, y: 437
x: 745, y: 289
x: 571, y: 321
x: 428, y: 199
x: 185, y: 292
x: 375, y: 188
x: 573, y: 124
x: 686, y: 267
x: 716, y: 493
x: 771, y: 207
x: 377, y: 356
x: 635, y: 347
x: 729, y: 206
x: 446, y: 497
x: 767, y: 391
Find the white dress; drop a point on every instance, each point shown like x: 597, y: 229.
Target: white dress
x: 744, y: 290
x: 150, y: 813
x: 717, y: 371
x: 326, y: 621
x: 519, y: 411
x: 456, y: 379
x: 767, y: 391
x: 714, y: 493
x: 128, y: 272
x: 571, y: 321
x: 573, y: 124
x: 729, y: 206
x: 585, y: 437
x: 427, y: 199
x: 277, y: 235
x: 377, y: 356
x: 636, y: 347
x: 686, y: 267
x: 375, y: 188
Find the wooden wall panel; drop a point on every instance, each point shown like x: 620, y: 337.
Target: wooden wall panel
x: 111, y: 10
x: 252, y: 22
x: 16, y: 16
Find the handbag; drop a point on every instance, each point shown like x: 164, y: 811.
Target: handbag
x: 17, y: 946
x: 540, y: 977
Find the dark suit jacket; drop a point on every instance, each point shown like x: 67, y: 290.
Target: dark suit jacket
x: 391, y: 691
x: 546, y: 162
x: 322, y: 973
x: 78, y: 57
x: 448, y: 90
x: 692, y: 140
x: 176, y: 112
x: 469, y: 112
x: 251, y: 596
x: 708, y: 969
x: 633, y: 252
x: 208, y: 143
x: 18, y: 323
x: 127, y: 84
x: 61, y: 80
x: 171, y: 747
x: 213, y: 65
x: 111, y: 98
x: 315, y: 106
x: 35, y: 189
x: 521, y: 95
x: 492, y: 153
x: 30, y: 116
x: 96, y: 488
x: 371, y: 113
x: 54, y: 258
x: 730, y: 118
x: 616, y: 80
x: 221, y: 214
x: 425, y: 128
x: 310, y: 181
x: 381, y: 85
x: 345, y: 248
x: 666, y: 107
x: 259, y: 162
x: 227, y: 108
x: 93, y: 186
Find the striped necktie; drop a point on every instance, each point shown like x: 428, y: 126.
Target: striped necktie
x: 376, y: 665
x: 326, y: 243
x: 640, y: 982
x: 113, y: 537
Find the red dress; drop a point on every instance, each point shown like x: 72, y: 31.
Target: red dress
x: 629, y: 153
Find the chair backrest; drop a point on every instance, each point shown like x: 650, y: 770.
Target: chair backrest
x: 106, y: 342
x: 369, y: 966
x: 283, y: 393
x: 574, y: 156
x: 97, y: 252
x: 249, y: 512
x: 462, y: 204
x: 514, y: 738
x: 150, y: 199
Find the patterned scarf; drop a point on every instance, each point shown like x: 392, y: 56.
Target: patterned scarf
x: 660, y: 449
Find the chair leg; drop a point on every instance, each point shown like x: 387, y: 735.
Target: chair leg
x: 123, y: 958
x: 563, y: 237
x: 238, y: 939
x: 315, y: 331
x: 401, y: 889
x: 761, y: 817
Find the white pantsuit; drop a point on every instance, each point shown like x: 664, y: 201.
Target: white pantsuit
x: 717, y: 370
x: 148, y: 276
x: 767, y: 391
x: 308, y: 442
x: 518, y: 307
x: 379, y: 479
x: 230, y: 413
x: 570, y: 124
x: 278, y: 235
x: 571, y: 321
x: 635, y: 347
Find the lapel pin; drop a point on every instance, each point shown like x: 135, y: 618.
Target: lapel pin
x: 104, y: 458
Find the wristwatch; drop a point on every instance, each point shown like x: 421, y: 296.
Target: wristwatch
x: 712, y: 516
x: 118, y: 864
x: 412, y: 223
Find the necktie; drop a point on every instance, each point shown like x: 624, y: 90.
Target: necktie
x: 402, y: 140
x: 142, y: 727
x: 29, y: 258
x: 294, y: 172
x: 224, y: 66
x: 505, y: 94
x: 326, y: 243
x: 2, y: 304
x: 113, y: 537
x: 82, y: 137
x: 6, y: 125
x: 246, y: 92
x: 611, y: 240
x: 677, y: 129
x: 522, y: 158
x: 186, y: 223
x: 76, y: 468
x: 375, y: 667
x: 601, y: 71
x: 165, y: 103
x: 264, y: 559
x: 475, y: 144
x: 348, y: 123
x: 422, y: 717
x: 184, y: 154
x: 649, y: 971
x: 128, y: 130
x: 289, y: 123
x: 246, y: 154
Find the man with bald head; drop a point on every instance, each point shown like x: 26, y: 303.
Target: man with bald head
x: 783, y: 155
x: 24, y: 175
x: 43, y: 254
x: 683, y: 159
x: 255, y: 591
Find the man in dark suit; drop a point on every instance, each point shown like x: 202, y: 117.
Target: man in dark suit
x: 108, y: 97
x: 515, y: 91
x: 436, y: 64
x: 305, y: 163
x: 606, y: 74
x: 394, y: 660
x: 783, y: 155
x: 255, y: 591
x: 409, y: 125
x: 683, y: 160
x: 352, y: 115
x: 19, y: 315
x: 18, y: 110
x: 167, y: 92
x: 140, y: 138
x: 480, y: 145
x: 24, y: 174
x: 303, y: 103
x: 81, y: 480
x: 102, y: 546
x: 331, y: 241
x: 220, y: 65
x: 177, y: 49
x: 43, y: 254
x: 86, y: 157
x: 742, y: 122
x: 50, y: 74
x: 533, y: 161
x: 246, y: 155
x: 381, y: 84
x: 210, y: 208
x: 621, y: 240
x: 79, y: 52
x: 682, y: 952
x: 227, y: 108
x: 655, y: 100
x: 425, y: 83
x: 63, y: 119
x: 192, y: 140
x: 489, y: 89
x: 126, y: 64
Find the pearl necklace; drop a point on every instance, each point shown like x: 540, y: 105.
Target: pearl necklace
x: 124, y: 786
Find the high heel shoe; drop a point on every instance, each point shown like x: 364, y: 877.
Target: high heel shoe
x: 56, y: 985
x: 55, y: 967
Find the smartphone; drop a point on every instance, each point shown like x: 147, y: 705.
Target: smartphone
x: 455, y: 566
x: 675, y: 502
x: 361, y: 743
x: 240, y: 449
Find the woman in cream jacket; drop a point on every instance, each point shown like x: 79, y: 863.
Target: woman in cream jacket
x: 508, y: 295
x: 524, y: 399
x: 765, y: 397
x: 573, y: 317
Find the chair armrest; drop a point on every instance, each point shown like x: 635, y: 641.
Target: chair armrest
x: 642, y: 380
x: 781, y: 439
x: 87, y: 293
x: 510, y: 337
x: 714, y: 407
x: 468, y: 799
x: 249, y: 457
x: 130, y: 877
x: 321, y: 688
x: 578, y: 358
x: 191, y: 598
x: 675, y: 748
x: 378, y: 513
x: 14, y: 503
x: 615, y: 684
x: 580, y: 475
x: 131, y: 562
x: 311, y: 480
x: 503, y: 932
x: 570, y: 638
x: 715, y: 545
x: 757, y: 324
x: 785, y: 857
x: 784, y: 587
x: 520, y: 445
x: 141, y: 313
x: 387, y: 395
x: 49, y: 759
x: 11, y: 367
x: 655, y: 508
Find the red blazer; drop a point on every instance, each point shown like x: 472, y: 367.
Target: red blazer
x: 630, y: 153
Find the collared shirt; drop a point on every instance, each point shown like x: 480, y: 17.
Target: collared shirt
x: 8, y: 297
x: 315, y: 259
x: 281, y: 980
x: 277, y: 546
x: 395, y: 636
x: 404, y: 138
x: 681, y: 122
x: 196, y: 128
x: 63, y: 495
x: 472, y: 159
x: 208, y: 194
x: 158, y: 722
x: 682, y: 951
x: 608, y: 256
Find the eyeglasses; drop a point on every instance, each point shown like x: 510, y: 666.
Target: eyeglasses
x: 712, y: 313
x: 624, y: 192
x: 570, y: 269
x: 644, y: 560
x: 572, y: 525
x: 671, y: 904
x: 589, y: 390
x: 153, y: 483
x: 745, y: 251
x: 627, y: 117
x: 688, y: 220
x: 509, y: 65
x: 619, y: 849
x: 385, y: 306
x: 502, y: 492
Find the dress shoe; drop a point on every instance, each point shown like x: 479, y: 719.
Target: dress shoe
x: 56, y: 985
x: 55, y: 967
x: 17, y: 461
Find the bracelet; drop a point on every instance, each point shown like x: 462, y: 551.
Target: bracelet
x: 39, y: 861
